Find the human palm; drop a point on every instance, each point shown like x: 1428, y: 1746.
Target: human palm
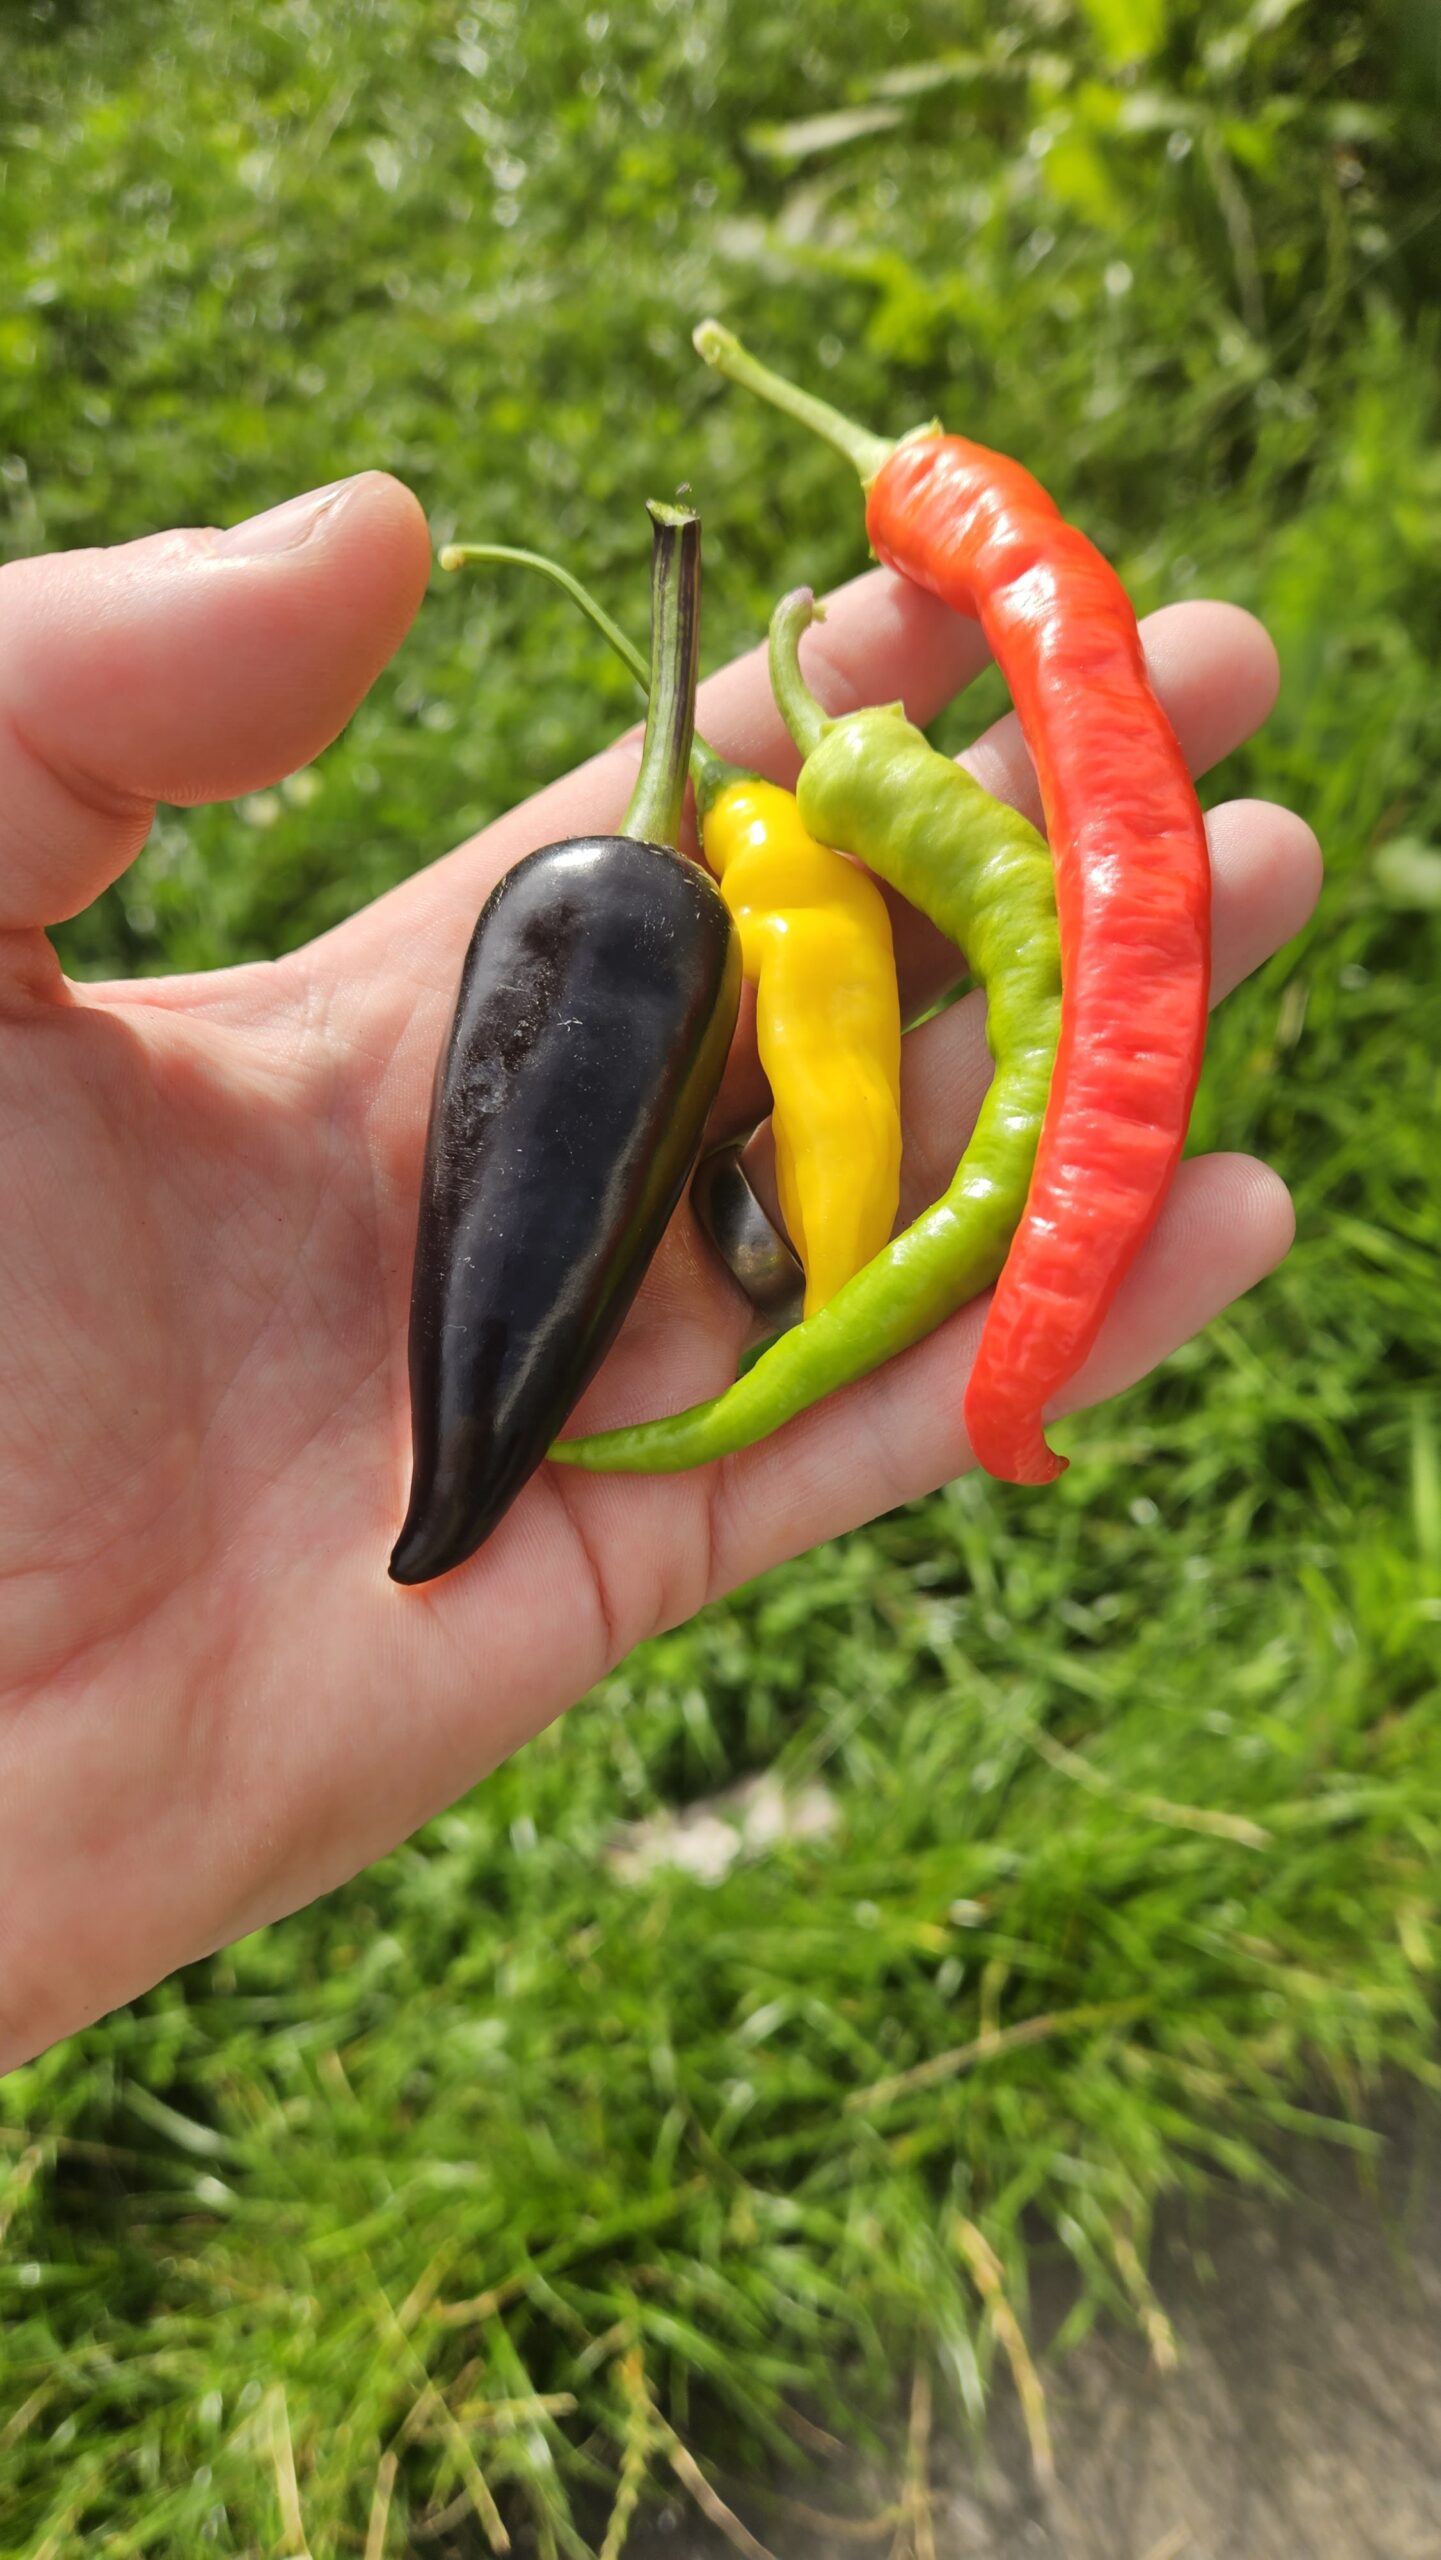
x: 213, y: 1702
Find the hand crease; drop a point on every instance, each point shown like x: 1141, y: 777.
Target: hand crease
x: 99, y: 798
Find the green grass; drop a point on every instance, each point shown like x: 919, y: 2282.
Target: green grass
x: 1137, y: 1785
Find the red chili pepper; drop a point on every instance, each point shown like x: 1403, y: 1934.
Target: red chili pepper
x: 1133, y: 886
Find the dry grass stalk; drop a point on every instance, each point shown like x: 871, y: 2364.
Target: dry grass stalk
x: 1213, y: 1824
x: 983, y: 2048
x: 380, y: 2507
x: 282, y: 2463
x: 989, y: 2277
x: 711, y: 2504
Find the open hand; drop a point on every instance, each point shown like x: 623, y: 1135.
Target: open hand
x: 213, y: 1702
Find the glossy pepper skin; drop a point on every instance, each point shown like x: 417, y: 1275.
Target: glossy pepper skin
x: 872, y: 783
x: 816, y: 939
x: 596, y: 1008
x: 816, y: 943
x: 1133, y: 886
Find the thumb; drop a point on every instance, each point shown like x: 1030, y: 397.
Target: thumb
x: 187, y: 666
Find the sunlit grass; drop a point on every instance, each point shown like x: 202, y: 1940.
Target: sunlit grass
x: 505, y: 2181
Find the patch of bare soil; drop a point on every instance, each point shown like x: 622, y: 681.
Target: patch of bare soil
x: 1302, y: 2420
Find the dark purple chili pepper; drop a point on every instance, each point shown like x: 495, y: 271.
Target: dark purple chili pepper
x: 595, y: 1012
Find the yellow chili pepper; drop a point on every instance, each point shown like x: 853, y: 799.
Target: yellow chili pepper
x: 816, y: 941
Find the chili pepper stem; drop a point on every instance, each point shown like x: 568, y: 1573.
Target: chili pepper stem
x: 710, y: 772
x: 798, y: 707
x: 461, y: 555
x: 653, y: 811
x: 869, y: 453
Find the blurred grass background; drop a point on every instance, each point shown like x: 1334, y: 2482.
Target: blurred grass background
x: 505, y: 2173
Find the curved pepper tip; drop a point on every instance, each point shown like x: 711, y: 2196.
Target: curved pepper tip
x: 436, y: 1536
x: 414, y: 1557
x: 1018, y: 1456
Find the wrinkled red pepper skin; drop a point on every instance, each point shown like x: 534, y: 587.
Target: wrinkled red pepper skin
x: 1133, y: 890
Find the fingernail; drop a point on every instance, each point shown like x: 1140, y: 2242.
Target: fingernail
x: 281, y: 528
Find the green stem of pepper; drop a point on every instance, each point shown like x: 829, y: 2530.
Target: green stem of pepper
x: 711, y: 773
x: 460, y: 555
x: 723, y: 350
x: 798, y: 707
x: 653, y: 812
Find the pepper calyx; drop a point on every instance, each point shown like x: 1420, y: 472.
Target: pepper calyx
x: 713, y: 776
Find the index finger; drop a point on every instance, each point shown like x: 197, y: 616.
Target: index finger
x: 882, y: 640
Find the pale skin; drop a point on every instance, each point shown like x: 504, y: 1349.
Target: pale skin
x: 213, y: 1703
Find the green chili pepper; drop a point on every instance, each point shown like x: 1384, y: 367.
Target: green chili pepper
x: 874, y: 786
